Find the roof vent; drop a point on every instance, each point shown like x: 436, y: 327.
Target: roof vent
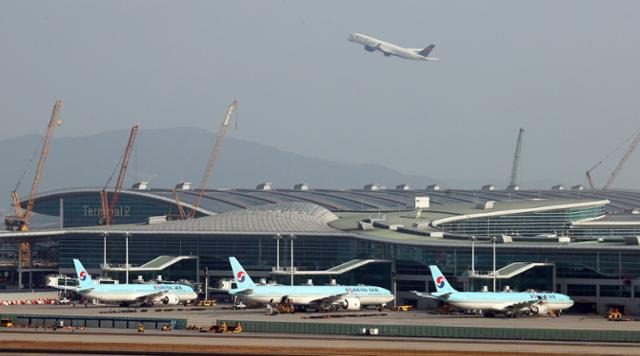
x: 301, y: 186
x: 503, y: 239
x: 558, y: 187
x: 577, y: 187
x: 420, y: 202
x: 433, y: 187
x: 422, y: 225
x: 485, y: 205
x: 371, y: 187
x: 141, y: 185
x: 489, y: 187
x: 152, y: 220
x: 513, y: 187
x: 264, y: 186
x: 403, y: 187
x: 183, y: 186
x: 363, y: 225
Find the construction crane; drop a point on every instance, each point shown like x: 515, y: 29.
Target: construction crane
x: 516, y: 158
x: 108, y: 208
x: 207, y: 172
x: 616, y: 171
x: 624, y: 159
x: 183, y: 214
x: 22, y: 219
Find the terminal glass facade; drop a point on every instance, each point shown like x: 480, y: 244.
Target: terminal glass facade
x: 526, y: 224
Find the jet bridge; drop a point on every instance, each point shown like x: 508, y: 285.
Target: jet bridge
x: 513, y: 276
x: 336, y: 270
x: 157, y: 264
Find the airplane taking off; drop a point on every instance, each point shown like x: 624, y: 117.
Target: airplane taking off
x: 323, y: 297
x: 509, y: 303
x: 145, y: 294
x: 389, y: 49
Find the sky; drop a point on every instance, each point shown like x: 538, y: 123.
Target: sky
x: 565, y: 71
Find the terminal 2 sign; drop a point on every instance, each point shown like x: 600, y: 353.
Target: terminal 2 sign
x: 117, y: 211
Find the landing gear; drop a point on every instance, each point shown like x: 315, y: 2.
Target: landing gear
x: 489, y: 314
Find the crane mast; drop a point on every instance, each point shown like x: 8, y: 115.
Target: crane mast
x: 107, y: 210
x: 46, y: 142
x: 624, y: 159
x: 516, y: 158
x: 207, y: 173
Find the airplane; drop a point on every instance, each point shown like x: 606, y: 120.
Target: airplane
x: 125, y: 294
x: 509, y: 303
x: 319, y: 297
x: 372, y: 44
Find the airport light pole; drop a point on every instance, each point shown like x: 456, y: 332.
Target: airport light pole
x: 278, y: 237
x: 292, y: 237
x: 126, y: 262
x: 473, y: 255
x: 493, y: 240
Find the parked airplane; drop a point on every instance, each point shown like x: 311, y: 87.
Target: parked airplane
x: 509, y: 303
x: 319, y: 297
x: 389, y: 49
x: 145, y: 294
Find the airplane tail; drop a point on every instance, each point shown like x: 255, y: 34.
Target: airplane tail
x: 425, y: 51
x: 83, y: 277
x: 442, y: 285
x: 240, y: 276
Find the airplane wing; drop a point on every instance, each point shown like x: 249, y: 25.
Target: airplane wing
x: 245, y: 292
x: 330, y: 298
x: 151, y: 295
x: 442, y: 296
x: 524, y: 304
x: 382, y: 49
x: 72, y: 288
x: 424, y: 295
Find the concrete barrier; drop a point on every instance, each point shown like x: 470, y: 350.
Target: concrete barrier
x: 455, y: 332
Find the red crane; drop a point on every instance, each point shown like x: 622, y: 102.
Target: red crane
x: 207, y: 172
x: 108, y: 209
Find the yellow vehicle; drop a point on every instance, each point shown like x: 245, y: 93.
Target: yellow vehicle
x: 614, y: 314
x: 141, y: 328
x: 6, y: 323
x: 207, y: 303
x: 403, y: 308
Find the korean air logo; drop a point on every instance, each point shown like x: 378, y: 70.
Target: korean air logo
x: 83, y: 276
x: 240, y: 276
x: 440, y: 282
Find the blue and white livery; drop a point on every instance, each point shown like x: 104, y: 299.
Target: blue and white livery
x: 319, y: 297
x: 509, y: 303
x: 145, y: 294
x: 372, y: 44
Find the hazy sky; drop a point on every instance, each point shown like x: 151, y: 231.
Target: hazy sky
x: 566, y: 71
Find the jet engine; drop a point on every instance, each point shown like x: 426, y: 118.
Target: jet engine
x: 170, y: 299
x: 539, y: 309
x: 369, y: 48
x: 351, y: 303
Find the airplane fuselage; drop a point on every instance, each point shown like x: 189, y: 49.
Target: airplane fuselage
x: 373, y: 44
x: 131, y: 293
x: 306, y: 295
x: 503, y: 301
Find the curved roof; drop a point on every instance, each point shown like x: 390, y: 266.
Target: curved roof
x: 267, y: 219
x: 224, y: 200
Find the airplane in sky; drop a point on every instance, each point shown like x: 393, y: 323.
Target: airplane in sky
x: 322, y: 297
x: 509, y: 303
x: 372, y: 44
x: 144, y: 294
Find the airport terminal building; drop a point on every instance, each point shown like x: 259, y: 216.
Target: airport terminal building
x: 580, y: 242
